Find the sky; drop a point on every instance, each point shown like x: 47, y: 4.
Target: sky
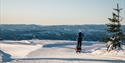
x: 58, y: 12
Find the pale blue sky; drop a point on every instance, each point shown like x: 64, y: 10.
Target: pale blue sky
x: 58, y: 12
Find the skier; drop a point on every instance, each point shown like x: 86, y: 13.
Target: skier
x: 79, y: 42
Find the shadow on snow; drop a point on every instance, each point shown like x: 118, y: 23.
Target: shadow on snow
x: 76, y: 59
x: 66, y: 44
x: 5, y: 57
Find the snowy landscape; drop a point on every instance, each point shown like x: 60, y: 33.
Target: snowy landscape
x: 58, y: 51
x: 62, y: 31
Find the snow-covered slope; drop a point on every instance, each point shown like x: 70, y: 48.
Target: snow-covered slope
x: 18, y: 48
x: 58, y: 51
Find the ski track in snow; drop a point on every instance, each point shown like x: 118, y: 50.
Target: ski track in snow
x: 55, y: 51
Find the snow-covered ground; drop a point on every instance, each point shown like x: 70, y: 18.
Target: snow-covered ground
x: 18, y: 50
x: 59, y: 51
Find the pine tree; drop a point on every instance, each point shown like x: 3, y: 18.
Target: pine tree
x: 114, y: 29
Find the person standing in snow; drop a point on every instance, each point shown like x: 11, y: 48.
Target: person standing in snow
x: 79, y: 42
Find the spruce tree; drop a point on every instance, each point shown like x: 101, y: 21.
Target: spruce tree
x: 114, y: 29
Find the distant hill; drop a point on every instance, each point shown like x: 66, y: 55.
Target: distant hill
x: 56, y: 32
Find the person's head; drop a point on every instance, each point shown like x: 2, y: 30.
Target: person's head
x: 80, y: 33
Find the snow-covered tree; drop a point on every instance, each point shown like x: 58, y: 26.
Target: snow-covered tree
x: 114, y: 29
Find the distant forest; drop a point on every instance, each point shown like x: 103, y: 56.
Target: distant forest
x: 56, y: 32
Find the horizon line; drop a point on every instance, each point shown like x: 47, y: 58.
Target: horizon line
x: 55, y: 24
